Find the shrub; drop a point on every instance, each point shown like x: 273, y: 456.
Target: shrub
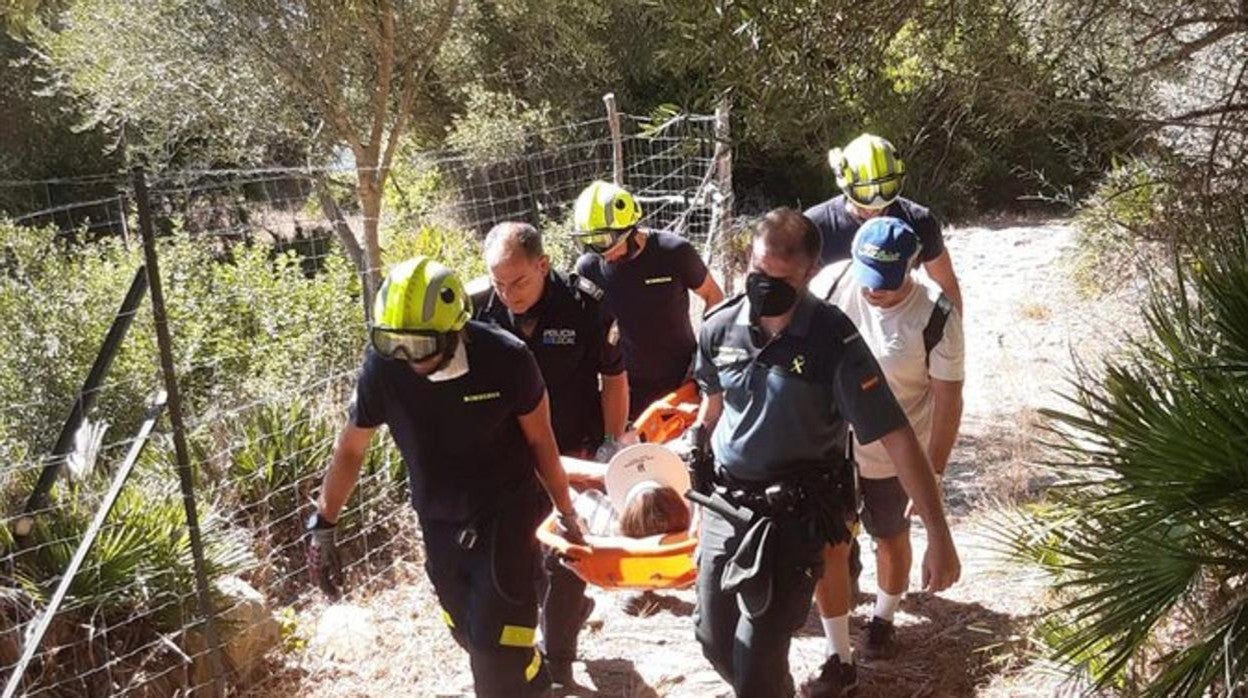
x: 1148, y: 540
x: 241, y: 329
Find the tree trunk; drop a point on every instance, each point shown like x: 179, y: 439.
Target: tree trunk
x: 333, y: 214
x: 370, y: 204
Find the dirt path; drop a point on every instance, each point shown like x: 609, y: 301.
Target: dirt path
x: 1024, y: 318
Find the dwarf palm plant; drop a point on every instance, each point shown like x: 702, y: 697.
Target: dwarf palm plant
x: 1147, y: 535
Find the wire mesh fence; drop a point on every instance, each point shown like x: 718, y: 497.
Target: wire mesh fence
x: 267, y: 326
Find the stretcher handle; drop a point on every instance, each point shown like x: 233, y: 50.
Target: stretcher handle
x: 716, y: 502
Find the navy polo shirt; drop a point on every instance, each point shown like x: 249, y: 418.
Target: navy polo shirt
x: 569, y: 339
x: 787, y: 401
x: 460, y: 439
x: 837, y: 227
x: 649, y: 296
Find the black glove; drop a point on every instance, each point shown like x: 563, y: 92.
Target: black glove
x: 699, y: 459
x: 570, y: 529
x: 324, y: 564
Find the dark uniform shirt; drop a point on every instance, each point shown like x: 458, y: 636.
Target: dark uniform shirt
x: 837, y: 226
x: 569, y: 339
x: 649, y: 296
x: 460, y: 438
x: 787, y: 401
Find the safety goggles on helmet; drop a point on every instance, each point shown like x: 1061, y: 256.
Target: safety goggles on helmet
x: 409, y: 345
x: 875, y: 193
x: 600, y: 240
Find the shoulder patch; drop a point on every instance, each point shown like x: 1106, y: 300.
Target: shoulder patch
x: 586, y: 286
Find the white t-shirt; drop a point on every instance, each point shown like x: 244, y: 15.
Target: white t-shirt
x: 895, y: 336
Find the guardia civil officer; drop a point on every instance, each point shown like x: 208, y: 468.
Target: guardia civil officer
x: 468, y: 410
x: 569, y: 334
x: 645, y: 277
x: 782, y: 373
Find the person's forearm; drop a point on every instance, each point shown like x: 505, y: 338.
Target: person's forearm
x: 946, y: 420
x: 941, y: 271
x: 712, y: 295
x: 614, y: 404
x: 550, y: 471
x: 708, y: 412
x: 340, y: 479
x: 917, y: 478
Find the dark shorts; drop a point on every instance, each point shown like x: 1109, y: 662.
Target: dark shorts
x: 884, y: 507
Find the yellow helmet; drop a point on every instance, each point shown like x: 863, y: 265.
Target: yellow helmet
x: 419, y: 304
x: 604, y: 212
x: 869, y: 171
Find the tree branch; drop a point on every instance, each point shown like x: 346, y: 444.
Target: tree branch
x: 385, y: 74
x: 1190, y: 48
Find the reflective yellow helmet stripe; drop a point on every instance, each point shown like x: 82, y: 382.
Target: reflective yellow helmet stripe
x: 398, y: 286
x: 431, y: 294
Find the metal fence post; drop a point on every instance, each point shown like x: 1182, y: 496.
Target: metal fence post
x: 723, y: 178
x: 617, y: 138
x: 186, y: 475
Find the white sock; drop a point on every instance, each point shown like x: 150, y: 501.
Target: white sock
x: 837, y: 631
x: 886, y: 605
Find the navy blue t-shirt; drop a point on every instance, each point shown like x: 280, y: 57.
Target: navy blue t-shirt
x: 649, y: 297
x: 837, y: 226
x: 569, y: 339
x: 460, y: 439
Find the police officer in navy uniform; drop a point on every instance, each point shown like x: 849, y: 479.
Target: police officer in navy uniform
x: 782, y: 373
x: 562, y: 321
x: 563, y: 324
x: 467, y: 408
x: 645, y: 276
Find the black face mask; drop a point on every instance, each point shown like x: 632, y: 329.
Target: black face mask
x: 769, y: 296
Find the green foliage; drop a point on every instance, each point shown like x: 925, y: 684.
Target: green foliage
x: 41, y: 135
x: 243, y: 328
x: 1136, y: 202
x: 492, y: 125
x: 458, y: 249
x: 1149, y: 538
x: 141, y: 564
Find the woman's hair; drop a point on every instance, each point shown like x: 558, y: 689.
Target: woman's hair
x: 653, y: 511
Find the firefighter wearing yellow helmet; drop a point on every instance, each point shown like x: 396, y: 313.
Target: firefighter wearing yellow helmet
x: 468, y: 410
x: 871, y: 175
x: 643, y: 278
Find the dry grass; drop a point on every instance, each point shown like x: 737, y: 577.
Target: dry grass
x: 1035, y: 311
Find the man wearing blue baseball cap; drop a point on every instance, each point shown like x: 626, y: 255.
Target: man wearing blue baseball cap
x: 915, y: 334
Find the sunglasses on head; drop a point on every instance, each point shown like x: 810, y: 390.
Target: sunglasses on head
x: 408, y: 345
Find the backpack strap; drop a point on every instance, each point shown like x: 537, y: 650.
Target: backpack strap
x: 935, y: 329
x: 836, y: 282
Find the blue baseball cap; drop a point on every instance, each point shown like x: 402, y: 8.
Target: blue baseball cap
x: 884, y: 250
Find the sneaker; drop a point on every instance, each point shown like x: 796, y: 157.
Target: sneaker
x: 881, y: 640
x: 835, y: 679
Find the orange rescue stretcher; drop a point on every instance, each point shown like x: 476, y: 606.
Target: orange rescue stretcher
x: 658, y: 562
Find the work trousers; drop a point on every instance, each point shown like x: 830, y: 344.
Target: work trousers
x: 752, y: 654
x: 483, y: 573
